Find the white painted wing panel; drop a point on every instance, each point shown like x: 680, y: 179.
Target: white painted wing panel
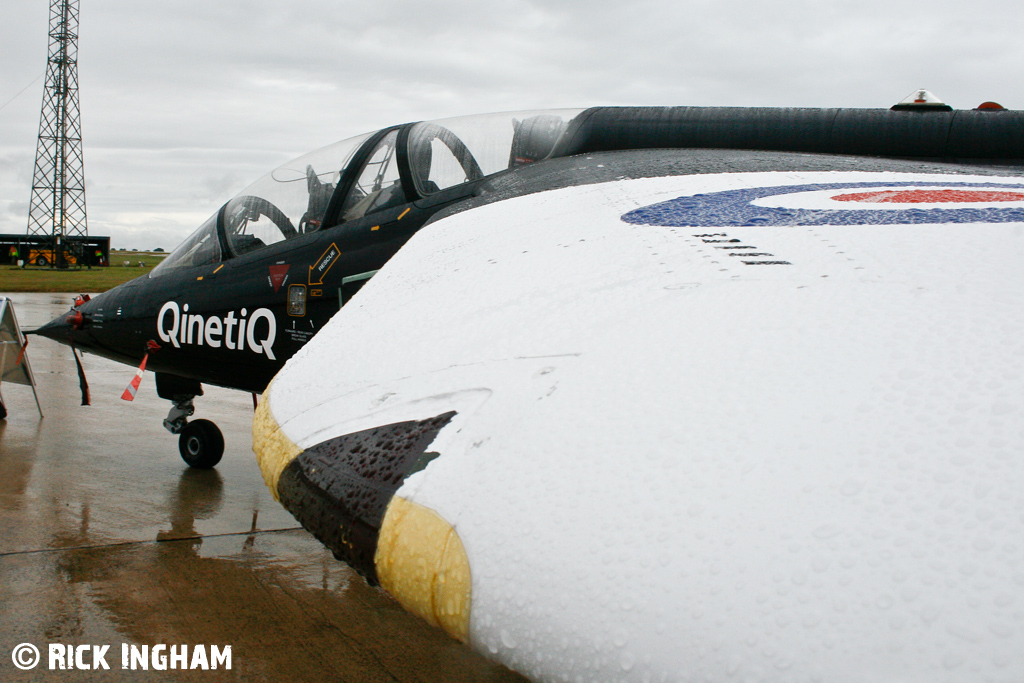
x: 707, y: 450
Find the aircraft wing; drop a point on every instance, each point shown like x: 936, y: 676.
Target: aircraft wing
x: 729, y: 427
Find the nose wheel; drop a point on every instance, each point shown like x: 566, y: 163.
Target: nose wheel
x: 201, y: 444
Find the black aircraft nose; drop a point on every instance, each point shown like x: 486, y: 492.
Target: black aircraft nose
x: 63, y: 326
x: 67, y: 327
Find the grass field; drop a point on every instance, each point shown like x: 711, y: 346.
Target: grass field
x: 33, y: 279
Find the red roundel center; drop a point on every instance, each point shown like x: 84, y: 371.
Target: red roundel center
x: 930, y: 196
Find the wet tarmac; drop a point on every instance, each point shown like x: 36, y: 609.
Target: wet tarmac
x: 108, y: 539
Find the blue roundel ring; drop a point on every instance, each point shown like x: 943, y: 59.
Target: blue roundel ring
x: 735, y: 208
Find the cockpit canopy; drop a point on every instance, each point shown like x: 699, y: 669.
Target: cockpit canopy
x: 366, y: 174
x: 445, y: 153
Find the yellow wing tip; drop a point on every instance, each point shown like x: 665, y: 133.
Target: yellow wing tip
x: 421, y: 561
x: 274, y: 451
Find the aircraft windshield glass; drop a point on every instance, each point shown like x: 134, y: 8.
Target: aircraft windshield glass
x: 379, y: 185
x: 288, y: 202
x: 200, y: 249
x: 448, y: 152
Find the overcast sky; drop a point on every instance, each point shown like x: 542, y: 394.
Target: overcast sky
x: 185, y: 102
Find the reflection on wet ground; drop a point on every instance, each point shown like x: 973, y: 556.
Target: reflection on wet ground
x: 106, y: 537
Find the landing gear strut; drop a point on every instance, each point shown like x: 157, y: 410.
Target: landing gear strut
x: 200, y: 442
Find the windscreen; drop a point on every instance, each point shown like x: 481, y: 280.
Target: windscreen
x: 288, y: 202
x: 201, y: 249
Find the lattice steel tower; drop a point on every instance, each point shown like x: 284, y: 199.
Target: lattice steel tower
x: 57, y: 207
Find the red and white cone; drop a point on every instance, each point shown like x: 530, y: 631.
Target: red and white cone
x: 133, y: 386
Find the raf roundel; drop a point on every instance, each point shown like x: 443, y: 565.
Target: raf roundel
x: 829, y: 204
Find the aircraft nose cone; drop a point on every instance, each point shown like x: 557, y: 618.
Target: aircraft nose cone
x: 60, y: 328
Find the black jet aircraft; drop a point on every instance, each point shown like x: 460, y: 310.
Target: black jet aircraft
x: 270, y: 268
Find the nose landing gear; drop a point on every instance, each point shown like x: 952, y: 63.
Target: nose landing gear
x: 200, y: 442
